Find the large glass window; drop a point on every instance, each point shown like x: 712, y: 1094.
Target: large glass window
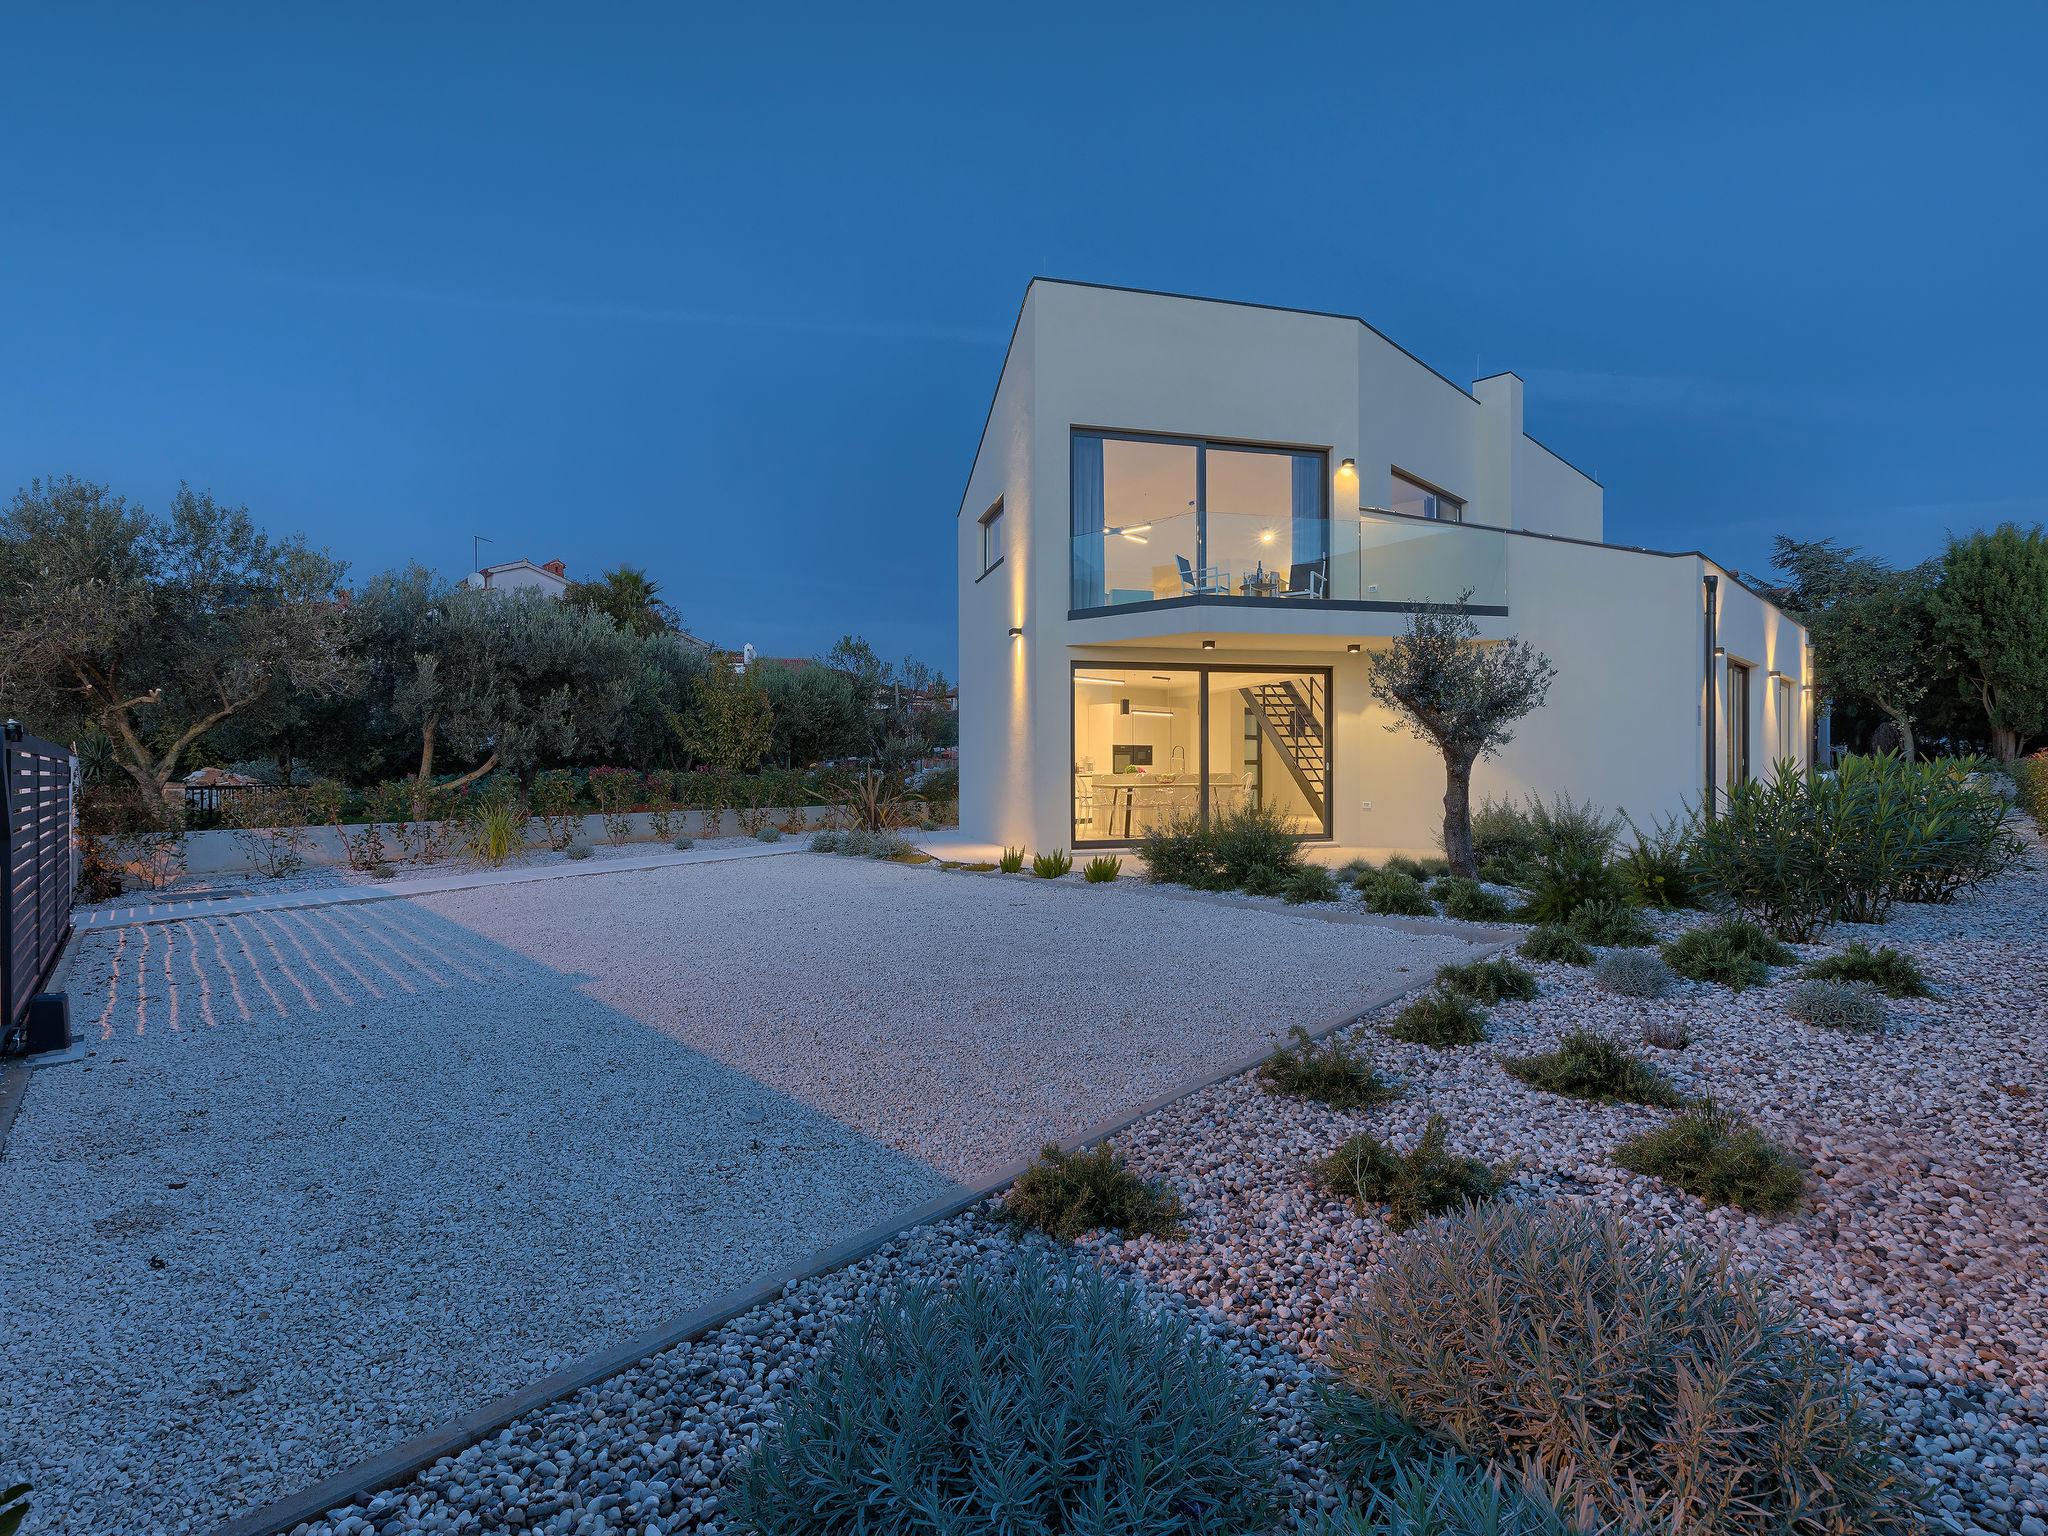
x: 1411, y: 498
x: 1153, y: 745
x: 1157, y: 518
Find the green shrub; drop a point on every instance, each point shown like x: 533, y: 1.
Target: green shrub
x: 1770, y: 852
x: 1519, y: 838
x: 768, y: 834
x: 1311, y: 882
x: 1332, y: 1072
x: 1052, y: 866
x: 1656, y: 1381
x: 1716, y: 1157
x: 1102, y: 869
x: 1632, y: 973
x: 684, y: 842
x: 827, y: 841
x: 1068, y: 1194
x: 1615, y: 924
x: 1889, y: 970
x: 577, y: 850
x: 1256, y: 849
x: 2031, y: 775
x: 1504, y: 841
x: 1656, y: 868
x: 1552, y: 943
x: 1666, y: 1034
x: 1012, y: 861
x: 1417, y: 869
x: 1413, y: 1185
x: 1446, y: 1495
x: 1440, y: 1019
x: 1049, y: 1399
x: 1560, y: 883
x: 14, y: 1507
x: 1732, y: 952
x: 1393, y: 894
x: 1588, y: 1065
x: 1487, y: 982
x: 553, y: 798
x: 1927, y: 831
x: 1178, y: 851
x: 1844, y: 1005
x: 1468, y: 900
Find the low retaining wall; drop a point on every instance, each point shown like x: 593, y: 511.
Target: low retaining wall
x: 221, y: 851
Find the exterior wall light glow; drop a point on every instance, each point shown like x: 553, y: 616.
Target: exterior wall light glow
x: 1016, y: 631
x: 1348, y: 467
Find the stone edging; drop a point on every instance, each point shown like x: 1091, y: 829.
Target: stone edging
x: 13, y: 1085
x: 354, y: 1484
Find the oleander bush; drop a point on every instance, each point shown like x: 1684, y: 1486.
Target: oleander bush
x: 1549, y: 942
x: 1310, y: 882
x: 1468, y: 900
x: 1651, y: 1382
x: 1633, y: 973
x: 1102, y: 869
x: 1036, y: 1402
x: 1716, y: 1156
x: 1424, y: 1181
x: 1068, y: 1194
x: 1854, y: 1006
x: 2030, y: 774
x: 1770, y: 853
x: 1891, y: 971
x: 1331, y: 1072
x: 1732, y: 952
x: 1052, y: 866
x: 1656, y: 867
x: 1011, y: 861
x: 1440, y: 1019
x: 1614, y: 924
x: 1489, y: 981
x: 1588, y: 1065
x: 1393, y: 894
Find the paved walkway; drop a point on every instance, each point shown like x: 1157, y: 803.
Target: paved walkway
x: 178, y: 908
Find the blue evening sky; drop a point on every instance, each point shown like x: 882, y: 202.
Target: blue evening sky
x: 723, y: 291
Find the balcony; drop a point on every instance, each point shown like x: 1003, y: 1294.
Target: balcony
x: 1371, y: 561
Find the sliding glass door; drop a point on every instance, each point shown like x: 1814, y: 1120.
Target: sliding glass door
x: 1156, y: 745
x: 1167, y: 517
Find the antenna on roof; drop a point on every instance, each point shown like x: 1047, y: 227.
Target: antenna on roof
x: 476, y: 541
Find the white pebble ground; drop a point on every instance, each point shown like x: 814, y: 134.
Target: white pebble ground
x: 331, y: 1176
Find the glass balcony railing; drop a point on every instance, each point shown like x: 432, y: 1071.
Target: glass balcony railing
x: 1382, y: 557
x: 1375, y: 557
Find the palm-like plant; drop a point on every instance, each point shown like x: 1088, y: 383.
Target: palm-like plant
x: 629, y: 597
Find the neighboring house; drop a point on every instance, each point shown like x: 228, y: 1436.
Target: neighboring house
x: 1188, y: 522
x: 551, y: 579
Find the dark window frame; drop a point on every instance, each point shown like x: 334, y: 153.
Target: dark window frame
x: 1396, y: 472
x: 1202, y: 670
x: 991, y: 521
x: 1201, y: 444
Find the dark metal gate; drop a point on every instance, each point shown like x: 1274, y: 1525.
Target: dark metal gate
x: 35, y: 916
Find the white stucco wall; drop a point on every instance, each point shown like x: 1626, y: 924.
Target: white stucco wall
x: 1624, y: 726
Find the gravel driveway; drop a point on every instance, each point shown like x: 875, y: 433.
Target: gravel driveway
x: 330, y: 1176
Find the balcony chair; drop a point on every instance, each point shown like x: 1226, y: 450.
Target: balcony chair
x: 1305, y: 579
x: 1207, y: 582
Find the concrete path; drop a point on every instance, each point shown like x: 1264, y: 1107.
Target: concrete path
x: 174, y: 909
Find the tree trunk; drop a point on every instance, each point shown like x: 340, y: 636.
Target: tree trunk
x: 474, y: 774
x: 1905, y: 725
x: 426, y: 773
x: 1458, y: 818
x: 2005, y: 742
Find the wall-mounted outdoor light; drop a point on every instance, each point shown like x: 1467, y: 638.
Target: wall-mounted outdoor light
x: 1720, y: 650
x: 1353, y: 649
x: 1208, y: 645
x: 1016, y: 631
x: 1348, y: 467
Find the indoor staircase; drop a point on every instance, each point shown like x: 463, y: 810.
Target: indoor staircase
x: 1292, y: 719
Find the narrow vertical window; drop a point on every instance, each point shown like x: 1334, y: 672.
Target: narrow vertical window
x: 992, y: 538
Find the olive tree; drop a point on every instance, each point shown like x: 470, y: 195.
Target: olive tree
x: 1991, y: 615
x: 156, y: 631
x: 1462, y: 695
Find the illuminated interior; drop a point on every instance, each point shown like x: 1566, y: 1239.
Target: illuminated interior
x: 1154, y: 745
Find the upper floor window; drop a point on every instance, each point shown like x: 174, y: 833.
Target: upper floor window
x: 1167, y: 517
x: 1414, y: 499
x: 992, y: 538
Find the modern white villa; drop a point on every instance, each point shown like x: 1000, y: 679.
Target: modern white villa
x: 1189, y: 522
